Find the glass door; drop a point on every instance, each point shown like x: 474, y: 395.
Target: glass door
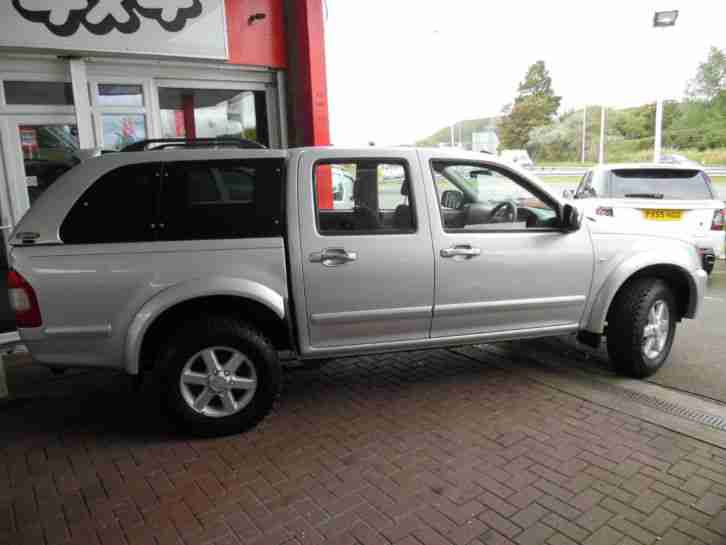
x: 36, y: 151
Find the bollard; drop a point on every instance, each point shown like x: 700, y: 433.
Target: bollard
x: 3, y: 381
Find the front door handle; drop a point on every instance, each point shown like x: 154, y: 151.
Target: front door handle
x: 333, y: 257
x: 462, y: 250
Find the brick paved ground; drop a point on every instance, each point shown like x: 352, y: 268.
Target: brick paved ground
x: 415, y: 449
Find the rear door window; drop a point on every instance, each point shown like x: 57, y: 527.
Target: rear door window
x: 121, y: 206
x: 369, y: 196
x: 221, y: 200
x: 660, y: 184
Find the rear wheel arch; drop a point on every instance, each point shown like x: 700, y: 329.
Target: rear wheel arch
x: 243, y: 309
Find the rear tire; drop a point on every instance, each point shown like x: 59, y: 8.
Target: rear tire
x: 218, y: 376
x: 641, y: 327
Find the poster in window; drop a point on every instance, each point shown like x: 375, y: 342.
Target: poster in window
x: 120, y: 130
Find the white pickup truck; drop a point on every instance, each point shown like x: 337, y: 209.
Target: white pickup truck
x: 197, y: 267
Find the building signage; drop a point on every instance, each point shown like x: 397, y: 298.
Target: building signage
x: 179, y: 28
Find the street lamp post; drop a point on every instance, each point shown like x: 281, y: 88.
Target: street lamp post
x: 584, y: 132
x: 661, y: 19
x: 601, y: 159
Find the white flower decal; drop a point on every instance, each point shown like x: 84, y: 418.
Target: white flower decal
x: 170, y: 9
x: 108, y: 8
x: 56, y: 13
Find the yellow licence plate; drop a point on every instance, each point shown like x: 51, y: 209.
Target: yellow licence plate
x: 663, y: 215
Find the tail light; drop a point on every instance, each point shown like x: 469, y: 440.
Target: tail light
x: 23, y: 301
x: 719, y: 220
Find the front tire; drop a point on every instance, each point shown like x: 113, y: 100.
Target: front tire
x: 218, y: 376
x: 641, y: 327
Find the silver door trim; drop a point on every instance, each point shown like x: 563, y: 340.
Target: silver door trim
x: 510, y: 304
x: 371, y: 315
x: 441, y: 342
x: 79, y: 331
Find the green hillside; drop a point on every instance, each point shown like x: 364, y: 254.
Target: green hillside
x: 464, y: 130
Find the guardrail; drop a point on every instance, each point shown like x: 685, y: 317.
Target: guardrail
x: 580, y: 171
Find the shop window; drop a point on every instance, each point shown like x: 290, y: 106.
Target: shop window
x: 38, y: 93
x: 120, y: 114
x: 368, y: 197
x: 213, y: 113
x: 48, y: 152
x: 221, y: 200
x: 120, y: 130
x: 119, y: 207
x: 112, y: 94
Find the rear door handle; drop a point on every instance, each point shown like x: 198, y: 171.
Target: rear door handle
x: 333, y: 257
x: 462, y: 250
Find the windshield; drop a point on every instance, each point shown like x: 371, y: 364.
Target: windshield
x: 660, y: 184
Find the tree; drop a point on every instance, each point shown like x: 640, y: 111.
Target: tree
x: 535, y: 106
x: 538, y: 82
x: 710, y: 80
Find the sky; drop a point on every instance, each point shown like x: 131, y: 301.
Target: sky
x: 398, y: 70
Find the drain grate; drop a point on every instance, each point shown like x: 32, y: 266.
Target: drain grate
x: 668, y: 407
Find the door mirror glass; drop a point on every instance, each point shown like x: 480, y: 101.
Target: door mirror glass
x: 452, y: 199
x: 571, y: 218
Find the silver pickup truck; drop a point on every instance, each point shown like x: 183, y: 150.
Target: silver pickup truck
x: 198, y: 267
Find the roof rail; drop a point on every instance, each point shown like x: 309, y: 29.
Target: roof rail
x: 163, y: 143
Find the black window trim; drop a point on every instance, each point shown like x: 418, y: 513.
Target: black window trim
x: 367, y: 233
x: 536, y: 191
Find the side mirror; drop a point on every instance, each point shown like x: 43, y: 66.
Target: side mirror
x: 452, y: 199
x: 568, y: 194
x: 571, y: 219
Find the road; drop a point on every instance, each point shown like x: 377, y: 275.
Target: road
x: 698, y: 360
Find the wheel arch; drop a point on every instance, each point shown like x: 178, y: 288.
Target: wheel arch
x: 677, y: 277
x: 251, y: 301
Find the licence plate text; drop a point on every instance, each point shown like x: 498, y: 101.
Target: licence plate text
x: 663, y: 215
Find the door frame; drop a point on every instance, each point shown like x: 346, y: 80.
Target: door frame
x: 305, y: 238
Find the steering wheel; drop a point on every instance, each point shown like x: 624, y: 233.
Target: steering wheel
x: 505, y: 211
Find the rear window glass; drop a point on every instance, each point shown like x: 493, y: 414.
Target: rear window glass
x: 659, y: 184
x: 221, y: 199
x: 119, y: 207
